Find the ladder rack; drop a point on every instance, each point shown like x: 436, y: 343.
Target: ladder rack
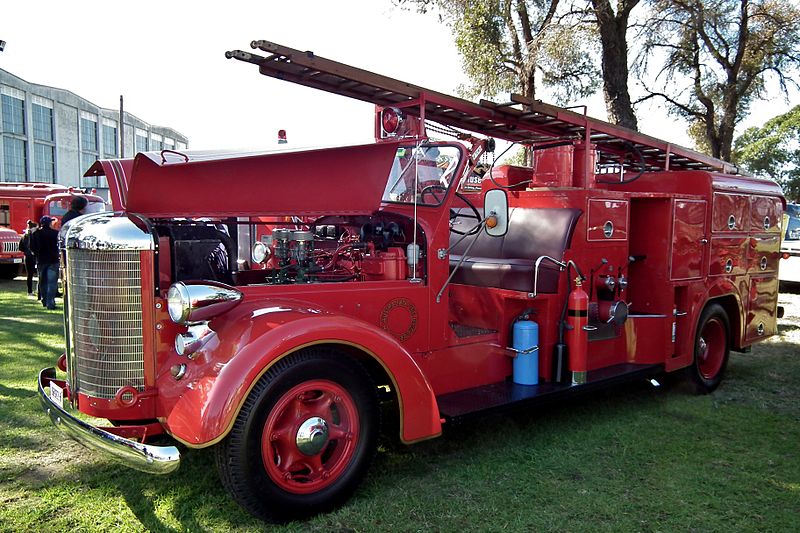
x: 520, y: 120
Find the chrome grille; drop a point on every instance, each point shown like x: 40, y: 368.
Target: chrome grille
x: 10, y: 247
x: 105, y: 320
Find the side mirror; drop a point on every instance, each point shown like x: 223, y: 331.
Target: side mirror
x: 495, y: 208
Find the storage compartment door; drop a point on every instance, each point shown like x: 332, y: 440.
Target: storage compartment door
x: 688, y: 235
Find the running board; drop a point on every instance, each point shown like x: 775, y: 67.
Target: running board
x: 506, y: 394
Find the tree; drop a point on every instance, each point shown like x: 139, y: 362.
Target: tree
x: 773, y: 151
x: 613, y: 29
x: 517, y: 45
x: 728, y: 50
x: 513, y: 45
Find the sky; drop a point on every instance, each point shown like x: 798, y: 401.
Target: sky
x: 168, y: 61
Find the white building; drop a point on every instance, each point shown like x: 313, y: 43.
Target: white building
x: 53, y: 135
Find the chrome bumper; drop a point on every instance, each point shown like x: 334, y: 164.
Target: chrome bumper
x: 144, y: 457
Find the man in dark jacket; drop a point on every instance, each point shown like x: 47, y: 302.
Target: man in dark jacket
x: 30, y: 259
x: 45, y: 246
x: 76, y: 209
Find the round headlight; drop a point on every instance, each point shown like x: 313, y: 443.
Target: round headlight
x: 178, y: 303
x: 260, y: 252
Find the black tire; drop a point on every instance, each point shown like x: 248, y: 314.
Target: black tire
x: 711, y: 349
x: 275, y: 480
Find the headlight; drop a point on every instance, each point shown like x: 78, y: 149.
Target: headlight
x: 190, y: 303
x: 260, y: 252
x: 178, y: 303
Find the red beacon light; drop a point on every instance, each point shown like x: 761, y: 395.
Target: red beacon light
x: 391, y: 119
x: 282, y: 137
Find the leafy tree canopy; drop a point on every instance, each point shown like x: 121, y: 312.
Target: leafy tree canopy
x: 717, y: 57
x: 518, y: 46
x: 773, y: 151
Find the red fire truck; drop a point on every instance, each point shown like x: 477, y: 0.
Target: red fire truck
x: 20, y: 202
x: 396, y: 278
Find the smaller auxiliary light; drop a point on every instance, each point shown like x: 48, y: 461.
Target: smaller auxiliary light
x: 188, y: 304
x: 190, y: 342
x: 260, y: 252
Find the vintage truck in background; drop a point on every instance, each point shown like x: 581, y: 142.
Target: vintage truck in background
x: 23, y: 201
x: 790, y: 247
x: 283, y: 308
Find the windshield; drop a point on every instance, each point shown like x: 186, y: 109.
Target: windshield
x: 94, y: 207
x: 57, y: 208
x: 422, y: 172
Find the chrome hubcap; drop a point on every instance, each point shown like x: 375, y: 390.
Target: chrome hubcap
x: 312, y: 436
x: 703, y: 348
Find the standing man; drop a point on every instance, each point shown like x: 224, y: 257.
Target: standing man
x: 45, y: 246
x: 25, y: 246
x: 76, y: 209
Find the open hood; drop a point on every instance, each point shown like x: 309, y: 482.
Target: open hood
x: 343, y: 180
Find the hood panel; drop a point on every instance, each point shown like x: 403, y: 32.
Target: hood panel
x: 345, y: 180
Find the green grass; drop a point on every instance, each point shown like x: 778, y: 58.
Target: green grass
x: 635, y: 458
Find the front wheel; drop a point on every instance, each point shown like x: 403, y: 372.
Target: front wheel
x: 304, y: 437
x: 711, y: 349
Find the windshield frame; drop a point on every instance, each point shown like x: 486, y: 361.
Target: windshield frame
x: 456, y: 173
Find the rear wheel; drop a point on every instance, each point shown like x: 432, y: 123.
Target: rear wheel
x: 711, y: 349
x: 304, y: 438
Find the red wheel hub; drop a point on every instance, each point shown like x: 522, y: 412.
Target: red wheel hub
x: 711, y: 349
x: 310, y: 436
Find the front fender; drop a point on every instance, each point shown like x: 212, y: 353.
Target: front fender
x: 252, y: 338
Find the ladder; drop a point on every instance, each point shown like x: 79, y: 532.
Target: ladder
x: 521, y: 120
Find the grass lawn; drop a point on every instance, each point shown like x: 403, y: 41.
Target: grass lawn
x: 635, y: 458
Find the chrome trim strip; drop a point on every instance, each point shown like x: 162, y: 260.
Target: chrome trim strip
x: 144, y: 457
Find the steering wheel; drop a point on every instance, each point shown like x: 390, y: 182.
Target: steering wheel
x: 435, y: 189
x: 475, y: 215
x: 429, y: 189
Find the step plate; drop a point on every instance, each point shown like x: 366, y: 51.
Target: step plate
x: 507, y: 394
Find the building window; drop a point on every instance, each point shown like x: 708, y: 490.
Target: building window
x: 44, y: 163
x: 141, y: 140
x: 87, y: 160
x: 109, y: 138
x: 13, y: 114
x: 42, y: 122
x: 14, y: 159
x: 88, y: 133
x: 156, y: 141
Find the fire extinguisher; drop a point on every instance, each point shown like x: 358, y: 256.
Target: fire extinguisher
x: 577, y: 336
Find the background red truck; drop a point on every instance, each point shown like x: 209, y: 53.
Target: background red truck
x: 283, y: 308
x: 20, y: 202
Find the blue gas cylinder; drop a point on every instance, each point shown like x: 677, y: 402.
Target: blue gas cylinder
x: 526, y: 366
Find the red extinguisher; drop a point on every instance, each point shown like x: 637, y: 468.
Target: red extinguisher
x: 577, y: 336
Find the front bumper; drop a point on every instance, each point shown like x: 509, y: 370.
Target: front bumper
x: 144, y: 457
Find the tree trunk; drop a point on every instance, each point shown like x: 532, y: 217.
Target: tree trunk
x: 613, y: 29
